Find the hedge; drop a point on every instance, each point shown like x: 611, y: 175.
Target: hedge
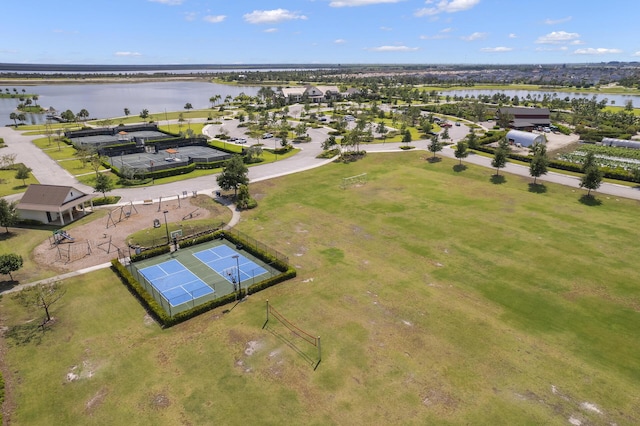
x: 607, y: 172
x: 157, y: 311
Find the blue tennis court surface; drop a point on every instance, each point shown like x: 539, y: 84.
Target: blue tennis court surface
x: 221, y: 259
x: 175, y: 282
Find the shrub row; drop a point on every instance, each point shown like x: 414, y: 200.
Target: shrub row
x: 109, y: 199
x: 161, y: 173
x: 146, y: 254
x: 607, y: 172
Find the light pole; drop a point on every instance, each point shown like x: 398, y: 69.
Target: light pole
x: 237, y: 258
x: 166, y: 226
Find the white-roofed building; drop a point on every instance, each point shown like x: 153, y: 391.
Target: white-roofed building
x: 315, y: 94
x: 518, y: 137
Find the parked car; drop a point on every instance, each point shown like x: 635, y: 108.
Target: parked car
x: 267, y: 136
x: 446, y: 125
x: 457, y: 124
x: 241, y: 140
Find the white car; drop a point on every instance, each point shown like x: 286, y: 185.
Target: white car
x: 267, y: 136
x: 241, y: 140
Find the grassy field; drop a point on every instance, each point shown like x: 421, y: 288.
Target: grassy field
x: 10, y: 185
x: 440, y: 297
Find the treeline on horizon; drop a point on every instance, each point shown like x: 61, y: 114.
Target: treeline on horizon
x: 583, y: 75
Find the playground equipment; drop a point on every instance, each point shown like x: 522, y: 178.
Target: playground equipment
x: 122, y: 212
x: 60, y: 235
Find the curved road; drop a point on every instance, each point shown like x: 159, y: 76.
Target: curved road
x: 47, y: 171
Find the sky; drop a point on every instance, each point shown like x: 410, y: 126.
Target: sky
x: 148, y: 32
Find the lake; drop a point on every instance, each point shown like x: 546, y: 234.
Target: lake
x: 110, y: 100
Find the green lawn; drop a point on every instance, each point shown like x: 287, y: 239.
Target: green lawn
x: 10, y: 185
x: 440, y: 298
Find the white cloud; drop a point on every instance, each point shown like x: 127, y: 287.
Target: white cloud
x: 446, y: 6
x: 168, y: 2
x: 214, y: 19
x: 551, y: 49
x: 393, y: 49
x: 190, y: 16
x: 128, y: 54
x: 557, y: 21
x: 274, y: 16
x: 386, y: 29
x: 596, y: 51
x: 340, y: 41
x: 271, y: 30
x: 496, y: 49
x: 512, y: 35
x: 354, y: 3
x: 558, y: 37
x: 474, y: 36
x: 446, y: 30
x: 637, y: 53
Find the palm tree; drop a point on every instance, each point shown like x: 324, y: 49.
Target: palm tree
x: 13, y: 116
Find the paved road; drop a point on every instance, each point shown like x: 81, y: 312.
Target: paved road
x: 47, y: 170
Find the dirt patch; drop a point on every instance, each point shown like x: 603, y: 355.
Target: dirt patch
x: 94, y: 243
x: 96, y: 401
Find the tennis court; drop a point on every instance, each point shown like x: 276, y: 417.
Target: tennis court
x: 175, y: 282
x: 191, y: 276
x: 230, y: 264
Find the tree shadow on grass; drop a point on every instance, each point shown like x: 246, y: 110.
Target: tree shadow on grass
x: 498, y: 179
x: 590, y: 200
x: 537, y: 188
x: 459, y: 168
x: 434, y: 159
x: 6, y: 235
x: 24, y: 334
x: 7, y: 285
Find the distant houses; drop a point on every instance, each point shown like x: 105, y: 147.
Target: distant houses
x: 315, y: 94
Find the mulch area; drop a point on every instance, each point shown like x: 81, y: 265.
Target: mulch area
x: 95, y: 243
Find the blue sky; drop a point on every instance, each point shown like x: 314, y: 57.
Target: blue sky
x: 319, y: 31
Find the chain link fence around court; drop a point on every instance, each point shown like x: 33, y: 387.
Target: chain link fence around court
x: 252, y: 242
x: 171, y: 309
x: 222, y: 282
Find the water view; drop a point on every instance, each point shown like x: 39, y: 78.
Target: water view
x: 109, y: 100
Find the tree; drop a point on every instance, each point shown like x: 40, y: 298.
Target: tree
x: 435, y: 145
x: 43, y: 296
x: 8, y: 214
x: 68, y: 115
x: 461, y: 151
x: 243, y: 200
x: 329, y: 143
x: 103, y: 184
x: 9, y: 263
x: 539, y: 162
x: 591, y: 179
x: 445, y: 133
x: 472, y: 139
x: 234, y: 173
x: 188, y: 106
x: 382, y: 129
x: 406, y: 136
x: 83, y: 114
x: 23, y: 172
x: 127, y: 112
x: 144, y: 114
x: 500, y: 156
x: 13, y: 116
